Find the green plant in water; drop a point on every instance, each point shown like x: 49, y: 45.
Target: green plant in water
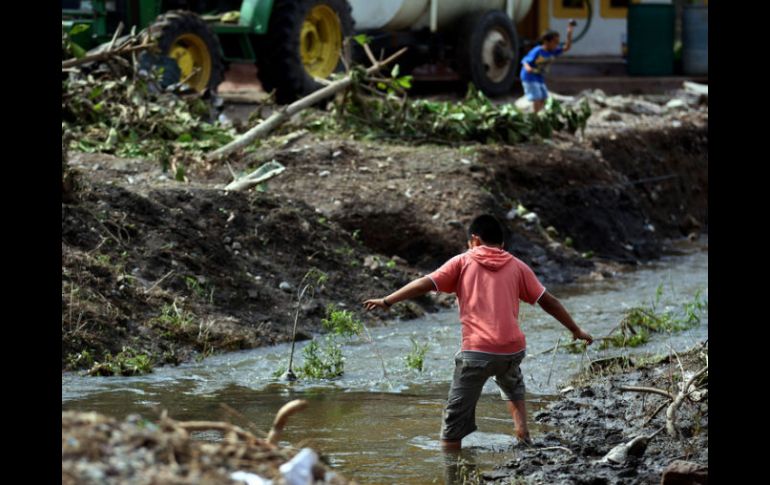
x: 638, y: 323
x: 312, y: 279
x: 279, y: 372
x: 322, y: 363
x: 341, y: 322
x: 327, y: 362
x: 694, y: 309
x: 415, y: 359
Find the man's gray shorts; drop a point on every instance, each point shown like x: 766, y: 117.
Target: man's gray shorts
x: 472, y: 369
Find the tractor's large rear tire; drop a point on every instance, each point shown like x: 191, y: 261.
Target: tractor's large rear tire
x: 487, y: 52
x: 184, y: 37
x: 304, y: 41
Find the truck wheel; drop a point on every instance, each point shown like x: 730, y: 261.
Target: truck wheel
x: 184, y: 37
x: 304, y: 41
x: 488, y: 52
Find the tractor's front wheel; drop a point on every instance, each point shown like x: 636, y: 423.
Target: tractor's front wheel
x: 304, y: 41
x: 184, y: 38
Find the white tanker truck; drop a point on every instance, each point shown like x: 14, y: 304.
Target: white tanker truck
x: 475, y: 38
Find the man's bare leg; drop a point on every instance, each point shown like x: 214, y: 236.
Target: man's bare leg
x: 538, y: 104
x: 518, y: 412
x: 451, y: 445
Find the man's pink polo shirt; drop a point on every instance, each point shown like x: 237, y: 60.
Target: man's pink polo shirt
x: 489, y: 282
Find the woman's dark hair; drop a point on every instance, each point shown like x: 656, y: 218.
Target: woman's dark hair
x: 548, y: 36
x: 488, y: 228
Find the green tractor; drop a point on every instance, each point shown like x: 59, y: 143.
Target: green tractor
x: 293, y: 42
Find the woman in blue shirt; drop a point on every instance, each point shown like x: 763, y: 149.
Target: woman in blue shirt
x: 537, y: 62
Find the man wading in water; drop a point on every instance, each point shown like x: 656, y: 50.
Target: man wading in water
x: 488, y: 282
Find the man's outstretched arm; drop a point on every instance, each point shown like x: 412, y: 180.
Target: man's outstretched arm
x: 415, y: 288
x: 553, y: 307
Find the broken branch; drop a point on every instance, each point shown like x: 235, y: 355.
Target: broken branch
x: 651, y: 390
x: 671, y: 427
x: 284, y: 114
x: 103, y: 55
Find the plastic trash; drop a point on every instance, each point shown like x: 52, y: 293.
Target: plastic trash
x: 299, y: 470
x: 250, y: 478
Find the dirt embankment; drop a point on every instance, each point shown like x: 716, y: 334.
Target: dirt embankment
x: 178, y: 270
x: 223, y: 269
x: 595, y: 416
x: 619, y: 196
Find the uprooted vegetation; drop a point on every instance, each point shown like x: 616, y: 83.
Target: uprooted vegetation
x: 115, y: 104
x: 369, y: 113
x: 120, y: 107
x: 639, y: 323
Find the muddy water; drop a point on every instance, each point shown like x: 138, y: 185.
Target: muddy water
x: 380, y: 422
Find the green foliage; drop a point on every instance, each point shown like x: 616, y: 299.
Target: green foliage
x: 416, y: 357
x: 390, y: 114
x: 128, y: 362
x: 324, y: 362
x: 70, y: 48
x: 173, y: 317
x: 81, y: 360
x: 341, y: 322
x: 198, y: 289
x: 639, y: 323
x: 134, y: 118
x: 362, y: 39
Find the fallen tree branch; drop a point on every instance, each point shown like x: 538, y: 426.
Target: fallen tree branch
x: 549, y: 448
x: 104, y: 55
x: 651, y: 390
x: 282, y: 417
x: 284, y: 114
x: 671, y: 427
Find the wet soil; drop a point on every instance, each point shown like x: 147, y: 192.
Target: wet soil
x: 595, y: 416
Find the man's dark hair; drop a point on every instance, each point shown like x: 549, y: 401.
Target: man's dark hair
x: 488, y: 228
x: 548, y: 36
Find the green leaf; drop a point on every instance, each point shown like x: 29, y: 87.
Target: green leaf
x: 362, y: 39
x: 405, y: 82
x: 185, y: 138
x: 395, y: 71
x: 79, y: 28
x: 77, y: 51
